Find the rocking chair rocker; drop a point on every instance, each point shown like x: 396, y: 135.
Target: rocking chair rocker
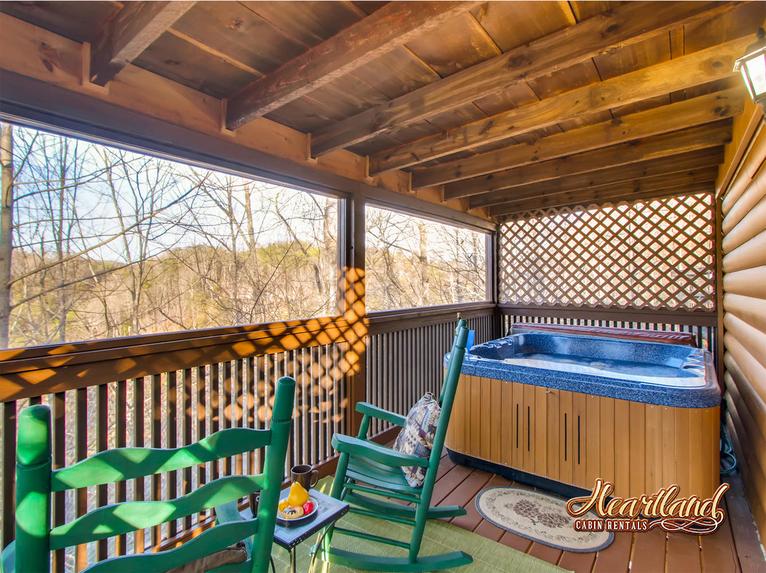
x: 368, y: 468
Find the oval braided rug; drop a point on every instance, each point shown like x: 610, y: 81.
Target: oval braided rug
x: 538, y: 517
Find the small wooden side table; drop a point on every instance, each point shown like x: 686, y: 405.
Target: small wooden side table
x: 330, y: 510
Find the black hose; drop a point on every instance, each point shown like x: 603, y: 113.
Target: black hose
x: 728, y: 459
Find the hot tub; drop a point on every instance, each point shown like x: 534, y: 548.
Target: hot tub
x: 561, y: 410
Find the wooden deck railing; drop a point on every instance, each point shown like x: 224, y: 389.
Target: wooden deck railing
x: 405, y: 352
x: 168, y: 390
x: 171, y: 389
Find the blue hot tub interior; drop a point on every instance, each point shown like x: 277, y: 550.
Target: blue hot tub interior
x: 648, y: 372
x: 644, y: 359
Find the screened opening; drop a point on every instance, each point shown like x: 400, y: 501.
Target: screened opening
x: 107, y: 242
x: 414, y: 262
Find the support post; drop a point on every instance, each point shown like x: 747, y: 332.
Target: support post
x: 352, y: 303
x: 719, y: 349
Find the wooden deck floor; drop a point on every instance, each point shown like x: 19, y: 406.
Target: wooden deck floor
x: 733, y: 548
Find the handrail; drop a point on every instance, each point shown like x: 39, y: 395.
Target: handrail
x: 27, y: 373
x: 417, y: 312
x: 686, y: 317
x: 34, y: 371
x: 388, y: 320
x: 274, y: 328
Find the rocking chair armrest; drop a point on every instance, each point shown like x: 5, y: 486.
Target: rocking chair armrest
x: 368, y: 409
x: 375, y: 452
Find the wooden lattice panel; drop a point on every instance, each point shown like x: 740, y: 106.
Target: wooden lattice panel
x: 656, y: 253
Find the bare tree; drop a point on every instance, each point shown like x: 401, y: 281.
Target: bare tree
x: 6, y: 229
x: 107, y: 242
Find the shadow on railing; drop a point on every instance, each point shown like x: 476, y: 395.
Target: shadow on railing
x: 166, y: 391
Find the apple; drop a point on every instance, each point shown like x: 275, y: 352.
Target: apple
x: 308, y: 507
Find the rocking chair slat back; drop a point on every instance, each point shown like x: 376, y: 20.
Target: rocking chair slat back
x: 355, y: 465
x: 36, y: 482
x: 129, y: 463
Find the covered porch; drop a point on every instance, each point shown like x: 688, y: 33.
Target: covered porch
x: 569, y: 164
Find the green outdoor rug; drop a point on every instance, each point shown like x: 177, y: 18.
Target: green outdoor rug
x: 440, y: 537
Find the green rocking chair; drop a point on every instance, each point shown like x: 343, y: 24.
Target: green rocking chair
x: 36, y: 481
x: 366, y: 468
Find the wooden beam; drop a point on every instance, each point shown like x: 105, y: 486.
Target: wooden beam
x: 690, y: 317
x: 697, y: 111
x: 598, y: 198
x: 602, y: 178
x: 641, y: 188
x: 667, y: 77
x: 625, y: 25
x: 129, y: 33
x: 82, y: 114
x: 695, y: 138
x: 393, y: 25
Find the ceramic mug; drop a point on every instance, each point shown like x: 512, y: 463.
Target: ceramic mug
x: 254, y: 499
x: 305, y: 475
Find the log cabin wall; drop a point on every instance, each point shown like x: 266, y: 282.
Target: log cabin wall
x: 742, y: 200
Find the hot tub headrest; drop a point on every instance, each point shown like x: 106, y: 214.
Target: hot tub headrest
x: 665, y: 336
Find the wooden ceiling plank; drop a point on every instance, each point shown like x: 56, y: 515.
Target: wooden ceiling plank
x: 695, y: 69
x: 625, y: 25
x: 393, y: 25
x: 689, y: 184
x: 672, y: 117
x: 129, y: 33
x: 665, y: 145
x: 603, y: 178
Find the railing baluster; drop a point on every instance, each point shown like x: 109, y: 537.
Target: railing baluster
x: 237, y: 410
x: 81, y: 452
x: 59, y: 461
x: 171, y: 411
x: 200, y: 373
x: 228, y: 407
x: 121, y: 425
x: 249, y: 404
x: 259, y: 383
x: 139, y: 537
x: 214, y: 411
x: 186, y: 436
x: 9, y: 473
x: 156, y: 437
x: 299, y: 359
x: 314, y: 377
x: 102, y: 434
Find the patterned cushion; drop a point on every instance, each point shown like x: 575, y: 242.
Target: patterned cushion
x: 417, y: 436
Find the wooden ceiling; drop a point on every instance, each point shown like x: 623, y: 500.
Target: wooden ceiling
x: 510, y: 105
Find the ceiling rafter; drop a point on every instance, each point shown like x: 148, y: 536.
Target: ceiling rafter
x: 132, y: 30
x: 625, y: 25
x: 686, y: 183
x: 665, y: 145
x: 655, y: 121
x: 607, y: 177
x: 684, y: 72
x: 384, y: 30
